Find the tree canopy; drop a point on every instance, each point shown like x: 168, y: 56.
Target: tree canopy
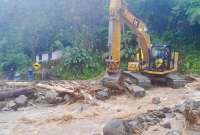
x: 29, y: 27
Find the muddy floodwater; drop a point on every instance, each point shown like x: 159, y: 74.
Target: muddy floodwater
x: 82, y: 118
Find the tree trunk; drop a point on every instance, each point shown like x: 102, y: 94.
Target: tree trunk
x: 13, y: 94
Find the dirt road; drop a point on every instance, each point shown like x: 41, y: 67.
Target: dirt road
x: 86, y: 119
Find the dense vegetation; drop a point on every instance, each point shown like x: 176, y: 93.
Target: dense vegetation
x: 29, y: 27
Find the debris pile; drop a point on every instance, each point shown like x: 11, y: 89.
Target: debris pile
x: 14, y: 95
x: 140, y: 123
x: 21, y: 94
x: 190, y: 109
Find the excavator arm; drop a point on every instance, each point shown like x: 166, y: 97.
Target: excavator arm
x: 139, y: 28
x: 119, y: 15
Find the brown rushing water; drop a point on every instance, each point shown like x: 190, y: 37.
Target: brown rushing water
x: 85, y: 119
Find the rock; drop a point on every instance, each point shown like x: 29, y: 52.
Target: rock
x: 67, y: 98
x: 115, y: 127
x: 67, y: 117
x: 196, y: 104
x: 180, y: 108
x: 166, y: 124
x: 135, y: 90
x: 103, y: 95
x: 2, y: 105
x: 169, y: 113
x: 156, y: 100
x: 52, y: 97
x: 139, y: 123
x: 40, y: 99
x: 149, y: 118
x: 21, y: 100
x: 112, y: 82
x: 174, y: 133
x: 166, y: 110
x: 134, y: 126
x: 11, y: 105
x: 138, y: 91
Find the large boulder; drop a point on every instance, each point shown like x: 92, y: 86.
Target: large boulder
x: 52, y: 97
x: 21, y: 100
x: 112, y: 82
x: 135, y: 90
x: 135, y: 126
x: 180, y: 108
x: 115, y: 127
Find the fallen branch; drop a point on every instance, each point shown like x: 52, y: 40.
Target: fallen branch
x: 58, y: 89
x: 19, y: 84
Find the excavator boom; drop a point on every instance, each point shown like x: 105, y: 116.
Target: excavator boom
x: 119, y: 14
x: 139, y: 28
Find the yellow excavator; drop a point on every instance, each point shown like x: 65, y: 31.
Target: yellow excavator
x: 154, y: 63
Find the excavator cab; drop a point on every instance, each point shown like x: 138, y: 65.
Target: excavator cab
x: 161, y: 58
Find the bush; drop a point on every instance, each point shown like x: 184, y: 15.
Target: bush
x: 17, y: 61
x: 78, y: 63
x: 76, y: 59
x: 191, y: 63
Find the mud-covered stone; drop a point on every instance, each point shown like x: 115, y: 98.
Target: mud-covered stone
x: 134, y: 126
x: 11, y: 105
x: 166, y: 124
x: 112, y: 82
x: 156, y: 100
x: 103, y: 94
x: 21, y: 101
x: 180, y: 108
x: 115, y: 127
x: 135, y: 90
x: 138, y: 91
x: 140, y: 123
x: 67, y: 98
x: 52, y: 97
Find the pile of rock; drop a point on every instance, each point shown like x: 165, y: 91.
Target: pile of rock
x: 20, y: 101
x: 137, y: 125
x: 140, y: 123
x: 191, y: 111
x: 14, y: 95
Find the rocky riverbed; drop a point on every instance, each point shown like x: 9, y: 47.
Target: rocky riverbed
x: 89, y: 118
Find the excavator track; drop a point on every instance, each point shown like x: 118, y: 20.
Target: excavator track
x: 138, y: 79
x: 175, y: 81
